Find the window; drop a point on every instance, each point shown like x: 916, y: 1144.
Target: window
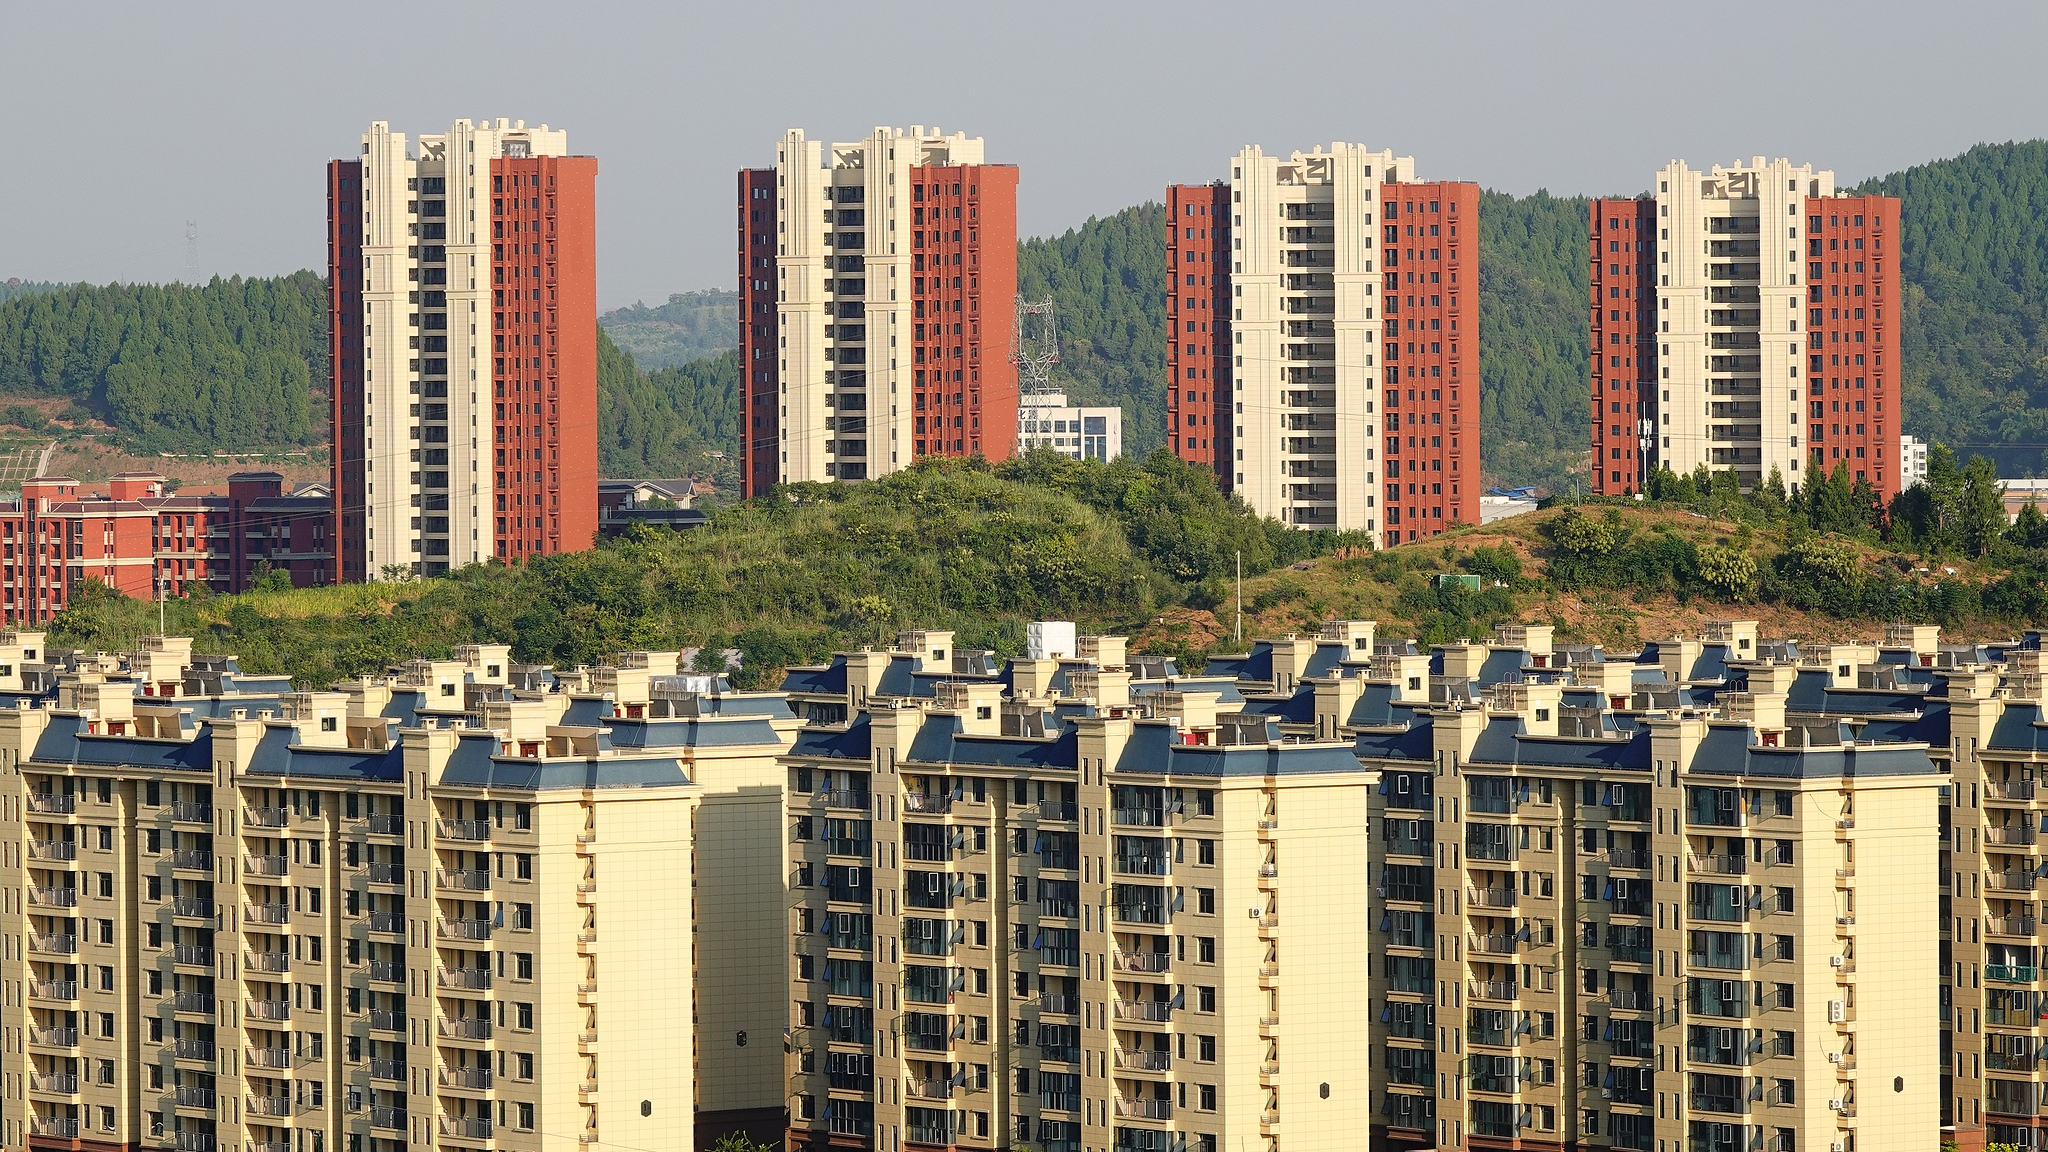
x: 1205, y: 999
x: 522, y: 965
x: 1205, y: 949
x: 1205, y: 901
x: 1205, y: 1049
x: 1205, y: 851
x: 523, y: 1015
x: 1207, y: 1098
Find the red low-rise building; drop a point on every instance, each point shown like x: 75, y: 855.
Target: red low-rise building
x: 138, y: 538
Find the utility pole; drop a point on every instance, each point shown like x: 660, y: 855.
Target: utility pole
x: 192, y: 252
x: 1237, y: 632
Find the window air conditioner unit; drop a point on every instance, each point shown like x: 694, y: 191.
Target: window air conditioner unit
x: 1837, y: 961
x: 1838, y: 1011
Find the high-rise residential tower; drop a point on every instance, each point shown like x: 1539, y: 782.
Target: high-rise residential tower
x: 1323, y: 355
x: 876, y: 282
x: 1712, y: 350
x: 463, y: 347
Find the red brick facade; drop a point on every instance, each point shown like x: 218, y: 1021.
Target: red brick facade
x: 963, y: 273
x: 1852, y: 338
x: 1199, y: 393
x: 1430, y: 374
x: 1624, y: 326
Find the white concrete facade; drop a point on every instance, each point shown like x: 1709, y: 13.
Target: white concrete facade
x: 845, y: 401
x: 1082, y: 432
x: 1729, y: 302
x: 1306, y: 330
x: 1912, y: 461
x: 410, y: 190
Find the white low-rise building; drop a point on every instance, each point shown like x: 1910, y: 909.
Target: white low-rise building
x: 1046, y: 420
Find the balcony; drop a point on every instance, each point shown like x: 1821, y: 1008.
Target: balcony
x: 52, y: 850
x: 392, y: 1070
x: 193, y: 955
x: 1491, y: 989
x: 393, y: 923
x: 2012, y: 926
x: 193, y: 860
x: 2009, y: 881
x: 463, y: 879
x: 1719, y: 864
x: 939, y: 1089
x: 1491, y: 897
x: 53, y: 989
x: 1495, y: 944
x: 191, y: 812
x: 53, y: 944
x: 269, y: 1010
x: 466, y: 1127
x: 386, y: 824
x: 265, y: 817
x: 60, y: 1084
x: 192, y: 907
x: 263, y: 865
x: 2009, y: 790
x: 1142, y: 962
x: 382, y: 873
x: 465, y: 929
x: 471, y: 979
x: 269, y: 1105
x: 387, y: 971
x: 54, y: 1037
x: 278, y: 1058
x: 1153, y: 1011
x: 60, y: 1127
x: 199, y: 1003
x: 466, y: 1077
x: 469, y: 831
x: 53, y: 897
x: 387, y: 1020
x: 52, y: 803
x: 2011, y: 835
x: 1140, y: 1060
x: 466, y: 1028
x: 2011, y: 973
x: 855, y: 801
x: 267, y: 961
x: 194, y: 1049
x: 1064, y: 811
x: 388, y: 1119
x: 918, y: 802
x: 267, y: 913
x: 1144, y: 1109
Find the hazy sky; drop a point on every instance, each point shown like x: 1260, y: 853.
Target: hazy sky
x: 126, y: 120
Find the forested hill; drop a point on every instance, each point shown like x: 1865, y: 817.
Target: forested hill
x: 234, y: 365
x: 241, y: 363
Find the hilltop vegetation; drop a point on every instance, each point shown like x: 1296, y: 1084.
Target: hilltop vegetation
x: 977, y: 548
x: 691, y: 326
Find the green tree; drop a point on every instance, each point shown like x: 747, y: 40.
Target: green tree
x: 1981, y: 508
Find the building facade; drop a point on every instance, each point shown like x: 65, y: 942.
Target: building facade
x: 462, y: 331
x: 1061, y: 907
x: 876, y: 284
x: 1080, y: 431
x: 1741, y: 359
x: 469, y: 905
x: 1323, y: 357
x: 144, y: 541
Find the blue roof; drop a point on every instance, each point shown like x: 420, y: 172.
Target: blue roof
x: 476, y: 763
x: 940, y: 740
x: 693, y: 732
x: 830, y: 679
x: 2019, y: 729
x: 66, y: 741
x: 850, y: 743
x: 1505, y: 740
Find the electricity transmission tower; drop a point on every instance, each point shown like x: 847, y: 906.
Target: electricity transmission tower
x: 1034, y: 345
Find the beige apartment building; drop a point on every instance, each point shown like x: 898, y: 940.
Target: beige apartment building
x: 1060, y: 908
x: 1634, y: 904
x: 877, y: 281
x: 469, y: 905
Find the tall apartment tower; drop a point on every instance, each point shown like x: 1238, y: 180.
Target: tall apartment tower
x: 462, y: 326
x: 876, y: 285
x: 1709, y: 349
x: 1295, y: 315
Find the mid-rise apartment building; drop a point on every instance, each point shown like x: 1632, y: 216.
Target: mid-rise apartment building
x: 1712, y: 349
x: 1639, y: 902
x: 462, y: 347
x: 143, y: 540
x: 1069, y: 904
x: 471, y: 904
x: 876, y: 287
x: 1323, y: 352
